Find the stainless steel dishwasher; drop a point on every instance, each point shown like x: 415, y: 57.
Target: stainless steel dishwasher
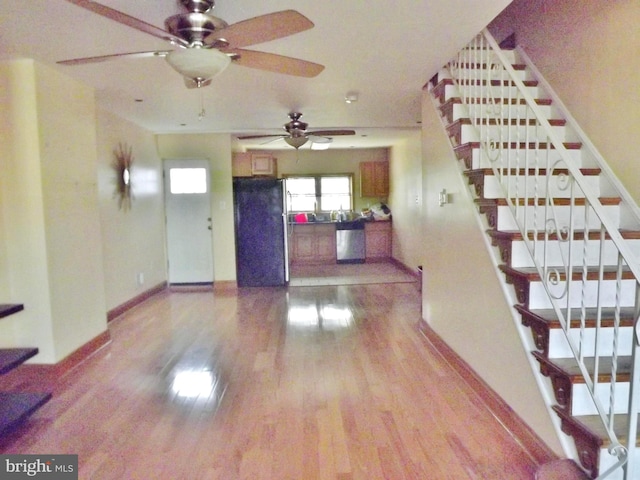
x: 350, y: 242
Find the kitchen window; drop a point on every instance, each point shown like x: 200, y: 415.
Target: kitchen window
x: 312, y: 193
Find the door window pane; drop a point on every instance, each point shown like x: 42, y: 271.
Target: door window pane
x: 188, y: 180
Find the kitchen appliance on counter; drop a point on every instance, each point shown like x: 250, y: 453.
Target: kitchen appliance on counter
x: 261, y: 232
x: 350, y: 246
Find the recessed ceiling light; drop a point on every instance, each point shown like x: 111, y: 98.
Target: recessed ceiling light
x: 351, y: 97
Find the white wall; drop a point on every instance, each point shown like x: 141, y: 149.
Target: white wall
x: 133, y: 239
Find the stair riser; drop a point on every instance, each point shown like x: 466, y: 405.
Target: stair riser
x: 476, y: 91
x: 557, y: 254
x: 496, y: 74
x: 538, y: 297
x: 535, y: 217
x: 521, y: 158
x: 582, y: 404
x: 559, y: 347
x: 471, y: 133
x: 511, y: 111
x: 530, y: 186
x: 470, y: 52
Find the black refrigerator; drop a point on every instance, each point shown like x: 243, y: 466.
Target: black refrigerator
x: 261, y: 232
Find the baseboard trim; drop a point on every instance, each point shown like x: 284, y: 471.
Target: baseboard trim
x: 44, y: 377
x: 225, y: 286
x: 135, y: 301
x: 411, y: 271
x: 531, y: 443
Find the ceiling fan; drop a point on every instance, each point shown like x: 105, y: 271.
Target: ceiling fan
x: 297, y: 133
x: 207, y: 44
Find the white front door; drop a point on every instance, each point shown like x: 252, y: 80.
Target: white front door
x: 188, y: 211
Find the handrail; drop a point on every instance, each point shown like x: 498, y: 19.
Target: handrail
x: 551, y: 239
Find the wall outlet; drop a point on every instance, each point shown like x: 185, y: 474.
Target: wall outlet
x: 140, y: 278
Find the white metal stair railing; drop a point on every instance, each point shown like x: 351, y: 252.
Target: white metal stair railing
x: 518, y: 142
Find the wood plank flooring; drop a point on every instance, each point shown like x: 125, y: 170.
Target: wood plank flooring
x: 299, y: 383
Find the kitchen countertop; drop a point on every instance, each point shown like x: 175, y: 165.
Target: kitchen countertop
x: 325, y: 222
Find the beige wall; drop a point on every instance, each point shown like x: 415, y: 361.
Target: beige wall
x: 405, y: 200
x: 52, y: 241
x: 346, y: 161
x: 216, y: 148
x: 588, y: 51
x: 463, y: 300
x: 134, y: 239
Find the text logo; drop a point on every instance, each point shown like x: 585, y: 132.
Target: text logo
x: 49, y: 467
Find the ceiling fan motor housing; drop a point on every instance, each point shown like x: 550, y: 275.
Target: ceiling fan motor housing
x: 198, y: 6
x: 195, y: 28
x: 295, y: 127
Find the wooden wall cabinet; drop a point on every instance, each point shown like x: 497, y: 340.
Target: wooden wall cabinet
x: 374, y: 179
x: 377, y: 241
x: 313, y: 244
x: 249, y: 164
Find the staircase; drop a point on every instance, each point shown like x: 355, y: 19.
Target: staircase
x: 15, y: 407
x: 567, y: 238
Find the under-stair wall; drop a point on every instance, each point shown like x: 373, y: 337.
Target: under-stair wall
x: 463, y: 299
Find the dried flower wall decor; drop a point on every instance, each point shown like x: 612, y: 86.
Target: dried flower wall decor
x: 122, y: 166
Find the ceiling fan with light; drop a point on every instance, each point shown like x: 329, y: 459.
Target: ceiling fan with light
x: 207, y: 44
x: 297, y: 134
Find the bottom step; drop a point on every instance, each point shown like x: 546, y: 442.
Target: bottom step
x: 15, y: 407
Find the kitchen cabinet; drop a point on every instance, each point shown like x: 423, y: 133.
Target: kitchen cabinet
x: 313, y: 244
x: 374, y: 179
x: 249, y: 164
x: 377, y: 241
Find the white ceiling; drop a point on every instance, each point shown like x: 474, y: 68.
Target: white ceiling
x: 383, y: 50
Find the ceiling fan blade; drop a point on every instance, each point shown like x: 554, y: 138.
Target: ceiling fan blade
x: 276, y: 63
x: 331, y: 133
x: 252, y: 137
x: 104, y: 58
x: 263, y: 28
x: 128, y: 20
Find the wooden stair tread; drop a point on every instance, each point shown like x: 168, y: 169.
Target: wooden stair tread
x: 531, y: 273
x: 558, y: 201
x: 15, y: 407
x: 516, y: 235
x: 569, y: 367
x: 593, y: 424
x: 7, y: 309
x: 532, y: 122
x: 530, y: 171
x: 10, y: 358
x: 502, y: 101
x: 521, y: 145
x: 607, y: 314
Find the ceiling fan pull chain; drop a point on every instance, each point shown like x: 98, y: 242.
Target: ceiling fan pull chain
x: 202, y: 110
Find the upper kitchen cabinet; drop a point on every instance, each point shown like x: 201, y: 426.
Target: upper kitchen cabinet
x: 374, y: 179
x: 249, y: 164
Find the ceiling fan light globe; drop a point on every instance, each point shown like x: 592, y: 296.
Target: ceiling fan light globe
x: 198, y: 63
x: 296, y: 142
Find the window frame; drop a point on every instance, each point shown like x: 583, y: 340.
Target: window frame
x: 318, y: 190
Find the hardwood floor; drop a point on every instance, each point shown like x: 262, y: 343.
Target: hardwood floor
x: 305, y: 383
